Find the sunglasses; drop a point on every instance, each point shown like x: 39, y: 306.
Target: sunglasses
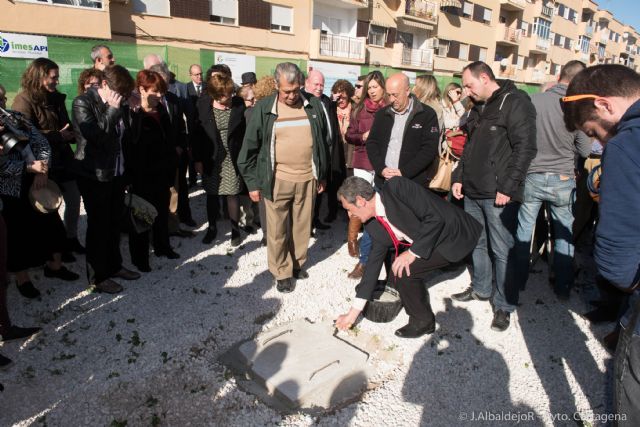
x: 573, y: 98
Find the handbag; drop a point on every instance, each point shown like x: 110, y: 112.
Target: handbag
x: 456, y: 143
x: 441, y: 180
x: 139, y: 214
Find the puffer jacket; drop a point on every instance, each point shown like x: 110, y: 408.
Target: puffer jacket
x: 502, y: 143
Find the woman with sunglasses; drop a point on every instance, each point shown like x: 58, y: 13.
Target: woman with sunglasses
x: 373, y: 98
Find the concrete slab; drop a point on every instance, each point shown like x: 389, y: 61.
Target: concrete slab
x: 302, y: 365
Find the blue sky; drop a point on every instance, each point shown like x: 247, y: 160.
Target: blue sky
x: 626, y: 11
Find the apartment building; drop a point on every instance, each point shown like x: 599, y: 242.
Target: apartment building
x: 527, y: 41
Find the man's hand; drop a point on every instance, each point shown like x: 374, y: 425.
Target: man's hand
x: 38, y: 167
x: 502, y: 199
x: 456, y: 190
x: 254, y: 196
x: 39, y: 181
x: 198, y: 168
x: 402, y: 263
x: 389, y: 173
x: 345, y: 321
x: 321, y: 186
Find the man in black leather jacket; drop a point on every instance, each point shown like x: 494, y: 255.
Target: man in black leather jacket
x: 100, y: 121
x: 491, y: 172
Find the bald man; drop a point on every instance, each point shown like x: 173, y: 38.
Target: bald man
x: 314, y: 86
x: 403, y: 140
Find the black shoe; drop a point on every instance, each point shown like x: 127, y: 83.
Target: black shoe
x: 411, y: 330
x: 18, y: 333
x: 63, y: 273
x: 5, y: 362
x: 285, y: 285
x: 300, y: 274
x: 143, y: 268
x: 263, y: 241
x: 74, y: 245
x: 126, y: 274
x: 236, y: 238
x: 67, y: 256
x: 468, y: 295
x: 210, y: 236
x: 320, y: 226
x: 189, y: 222
x: 249, y: 229
x: 109, y: 286
x: 500, y: 321
x: 169, y: 253
x: 27, y: 290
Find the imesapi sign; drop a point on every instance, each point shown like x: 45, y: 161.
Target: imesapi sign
x: 14, y: 45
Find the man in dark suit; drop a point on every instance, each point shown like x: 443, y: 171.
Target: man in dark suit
x: 194, y: 88
x: 403, y: 140
x: 425, y: 232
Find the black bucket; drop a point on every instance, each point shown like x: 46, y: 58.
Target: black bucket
x: 385, y: 308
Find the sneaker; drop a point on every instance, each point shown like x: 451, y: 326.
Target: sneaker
x: 27, y: 290
x: 210, y: 236
x: 468, y: 295
x: 285, y: 285
x: 500, y: 321
x: 63, y: 273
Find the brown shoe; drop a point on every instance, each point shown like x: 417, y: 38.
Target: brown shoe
x: 352, y: 236
x: 109, y: 287
x: 127, y: 274
x: 357, y: 272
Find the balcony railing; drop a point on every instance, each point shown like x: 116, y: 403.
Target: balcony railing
x: 631, y: 50
x: 588, y: 30
x: 543, y: 44
x: 604, y: 38
x: 422, y: 58
x: 547, y: 11
x: 422, y: 9
x: 513, y: 35
x: 341, y: 46
x: 538, y: 76
x: 519, y: 3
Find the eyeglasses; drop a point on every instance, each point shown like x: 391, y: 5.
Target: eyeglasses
x: 358, y: 86
x: 573, y: 98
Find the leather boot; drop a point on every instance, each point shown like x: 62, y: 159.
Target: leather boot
x: 352, y: 236
x: 357, y: 272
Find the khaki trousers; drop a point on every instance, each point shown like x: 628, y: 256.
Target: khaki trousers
x: 289, y: 226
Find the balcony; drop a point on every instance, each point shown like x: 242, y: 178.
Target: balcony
x: 540, y: 45
x: 538, y: 76
x: 631, y: 50
x: 404, y: 57
x: 547, y: 11
x: 337, y: 47
x: 509, y: 36
x: 604, y: 38
x: 507, y: 72
x: 346, y: 4
x: 420, y: 11
x: 588, y: 30
x: 513, y: 5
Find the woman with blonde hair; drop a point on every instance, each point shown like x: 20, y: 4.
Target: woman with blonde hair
x: 452, y: 108
x: 427, y: 91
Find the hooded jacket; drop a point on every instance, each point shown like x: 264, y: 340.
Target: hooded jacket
x: 502, y: 143
x: 617, y: 247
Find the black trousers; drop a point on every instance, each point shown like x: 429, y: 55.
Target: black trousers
x: 156, y: 192
x: 413, y: 292
x: 184, y: 209
x: 626, y: 371
x: 104, y: 203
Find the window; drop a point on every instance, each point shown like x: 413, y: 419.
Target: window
x: 467, y: 9
x: 542, y: 28
x: 377, y: 35
x: 520, y: 63
x: 405, y: 38
x: 281, y: 18
x: 442, y: 48
x: 464, y: 52
x: 524, y: 26
x: 223, y: 11
x: 583, y: 43
x: 151, y: 7
x: 487, y: 16
x: 94, y: 4
x: 483, y: 54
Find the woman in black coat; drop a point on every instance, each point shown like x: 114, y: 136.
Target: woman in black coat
x: 150, y: 164
x: 221, y: 124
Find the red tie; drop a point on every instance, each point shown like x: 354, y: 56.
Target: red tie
x: 394, y: 239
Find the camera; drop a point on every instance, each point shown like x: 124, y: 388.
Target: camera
x: 16, y: 132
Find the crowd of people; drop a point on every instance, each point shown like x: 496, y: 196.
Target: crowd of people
x: 268, y: 151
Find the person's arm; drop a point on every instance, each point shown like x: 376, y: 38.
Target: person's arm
x: 583, y: 144
x: 428, y: 148
x: 250, y: 150
x: 617, y: 246
x: 376, y: 148
x: 96, y: 130
x: 521, y: 131
x: 353, y: 135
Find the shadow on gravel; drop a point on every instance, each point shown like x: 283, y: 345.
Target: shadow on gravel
x: 454, y: 376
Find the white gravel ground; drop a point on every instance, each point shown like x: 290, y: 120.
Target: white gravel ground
x: 147, y: 356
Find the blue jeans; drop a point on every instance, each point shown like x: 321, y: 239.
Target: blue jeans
x: 498, y: 231
x: 365, y: 247
x: 550, y: 188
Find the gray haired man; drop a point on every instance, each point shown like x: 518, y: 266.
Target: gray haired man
x: 285, y: 159
x: 102, y: 57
